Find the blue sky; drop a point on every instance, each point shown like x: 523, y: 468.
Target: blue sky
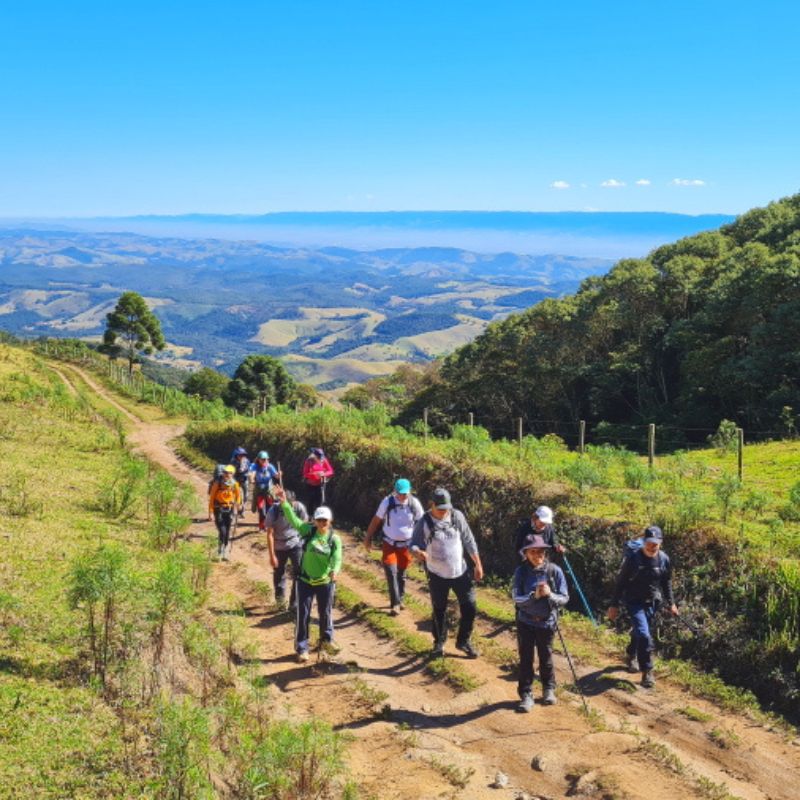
x: 127, y: 108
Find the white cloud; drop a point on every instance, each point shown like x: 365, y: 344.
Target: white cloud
x: 559, y: 185
x: 612, y: 183
x: 687, y: 182
x: 643, y: 182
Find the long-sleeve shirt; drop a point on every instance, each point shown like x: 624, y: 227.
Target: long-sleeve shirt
x: 322, y: 553
x: 263, y: 474
x: 315, y: 471
x: 445, y: 541
x: 224, y: 494
x: 540, y: 612
x: 643, y: 579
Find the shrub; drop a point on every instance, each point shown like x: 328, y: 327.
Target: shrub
x: 726, y: 437
x: 119, y: 493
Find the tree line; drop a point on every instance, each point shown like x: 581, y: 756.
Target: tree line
x: 707, y: 328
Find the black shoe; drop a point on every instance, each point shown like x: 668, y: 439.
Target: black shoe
x: 648, y: 679
x: 632, y: 663
x: 437, y: 651
x: 467, y: 649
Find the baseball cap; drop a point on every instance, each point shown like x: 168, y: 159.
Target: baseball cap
x: 323, y: 512
x: 230, y: 468
x: 653, y: 534
x: 402, y: 486
x: 545, y: 514
x: 441, y: 498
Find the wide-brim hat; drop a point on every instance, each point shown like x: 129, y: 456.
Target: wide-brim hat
x: 533, y: 542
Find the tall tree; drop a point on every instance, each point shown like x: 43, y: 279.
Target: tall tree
x: 207, y: 384
x: 259, y: 383
x: 135, y: 326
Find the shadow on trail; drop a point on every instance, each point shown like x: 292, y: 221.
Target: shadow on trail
x: 603, y: 680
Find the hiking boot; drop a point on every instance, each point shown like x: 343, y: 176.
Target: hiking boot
x: 549, y: 697
x: 467, y: 648
x: 280, y: 604
x: 226, y: 553
x: 219, y: 552
x: 303, y: 657
x: 525, y: 703
x: 394, y: 611
x: 632, y: 663
x: 648, y: 679
x: 437, y: 651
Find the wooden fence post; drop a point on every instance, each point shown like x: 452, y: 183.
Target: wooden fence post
x: 740, y: 451
x: 519, y: 431
x: 471, y: 419
x: 651, y: 444
x: 582, y: 437
x: 425, y: 422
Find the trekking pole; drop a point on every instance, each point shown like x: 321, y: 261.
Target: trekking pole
x: 233, y: 532
x: 322, y: 491
x: 684, y: 621
x: 578, y: 587
x: 571, y: 665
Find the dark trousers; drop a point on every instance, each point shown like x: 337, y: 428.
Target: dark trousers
x: 396, y: 581
x: 464, y: 589
x: 641, y: 644
x: 528, y: 638
x: 223, y: 519
x: 279, y: 573
x: 314, y: 496
x: 305, y: 600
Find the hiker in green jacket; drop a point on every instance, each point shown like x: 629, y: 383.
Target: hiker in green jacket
x: 320, y: 564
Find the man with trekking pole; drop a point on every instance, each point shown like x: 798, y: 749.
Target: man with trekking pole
x: 644, y: 583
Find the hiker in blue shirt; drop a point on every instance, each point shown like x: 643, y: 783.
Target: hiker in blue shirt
x: 539, y: 589
x: 644, y: 583
x: 264, y: 477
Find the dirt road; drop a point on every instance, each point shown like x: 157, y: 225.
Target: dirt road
x: 433, y: 742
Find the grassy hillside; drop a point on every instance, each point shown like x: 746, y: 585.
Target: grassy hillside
x: 115, y: 679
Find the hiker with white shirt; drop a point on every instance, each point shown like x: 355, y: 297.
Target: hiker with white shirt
x: 396, y: 515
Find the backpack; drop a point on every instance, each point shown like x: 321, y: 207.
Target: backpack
x: 631, y: 547
x: 392, y: 505
x: 636, y: 558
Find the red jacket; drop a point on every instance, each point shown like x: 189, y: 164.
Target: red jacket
x: 315, y: 471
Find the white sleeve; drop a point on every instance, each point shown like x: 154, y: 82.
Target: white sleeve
x: 382, y: 508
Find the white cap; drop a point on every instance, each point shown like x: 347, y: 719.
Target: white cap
x: 323, y: 512
x: 545, y: 514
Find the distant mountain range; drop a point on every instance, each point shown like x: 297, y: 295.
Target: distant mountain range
x: 336, y: 315
x: 594, y: 234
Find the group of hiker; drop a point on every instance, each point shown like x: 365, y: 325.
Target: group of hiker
x: 441, y: 540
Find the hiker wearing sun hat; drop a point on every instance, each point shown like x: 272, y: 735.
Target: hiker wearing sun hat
x: 397, y: 513
x: 539, y: 589
x: 442, y: 538
x: 644, y: 584
x: 541, y: 523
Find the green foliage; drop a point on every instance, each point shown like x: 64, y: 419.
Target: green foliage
x: 726, y: 437
x: 207, y: 384
x: 101, y: 583
x: 136, y: 327
x: 699, y: 330
x: 259, y: 383
x: 121, y: 490
x: 726, y: 490
x: 292, y: 761
x: 183, y: 742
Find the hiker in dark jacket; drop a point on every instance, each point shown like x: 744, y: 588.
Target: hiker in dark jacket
x: 441, y: 539
x: 540, y: 523
x: 539, y: 589
x: 644, y: 583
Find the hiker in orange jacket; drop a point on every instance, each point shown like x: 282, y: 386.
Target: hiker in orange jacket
x: 224, y: 500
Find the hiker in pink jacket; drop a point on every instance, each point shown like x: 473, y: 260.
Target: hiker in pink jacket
x: 317, y: 471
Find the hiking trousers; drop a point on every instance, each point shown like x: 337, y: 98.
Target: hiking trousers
x: 641, y: 644
x: 305, y: 599
x: 223, y: 519
x: 396, y: 560
x: 531, y: 638
x: 464, y: 589
x: 293, y: 556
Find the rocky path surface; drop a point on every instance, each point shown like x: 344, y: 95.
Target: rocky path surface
x: 413, y: 736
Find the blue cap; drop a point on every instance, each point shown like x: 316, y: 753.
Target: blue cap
x: 402, y: 486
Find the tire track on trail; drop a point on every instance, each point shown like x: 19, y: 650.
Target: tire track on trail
x: 435, y: 738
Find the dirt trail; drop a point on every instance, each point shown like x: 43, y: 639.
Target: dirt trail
x: 436, y: 738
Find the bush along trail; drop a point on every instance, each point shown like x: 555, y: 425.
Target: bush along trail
x: 447, y: 727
